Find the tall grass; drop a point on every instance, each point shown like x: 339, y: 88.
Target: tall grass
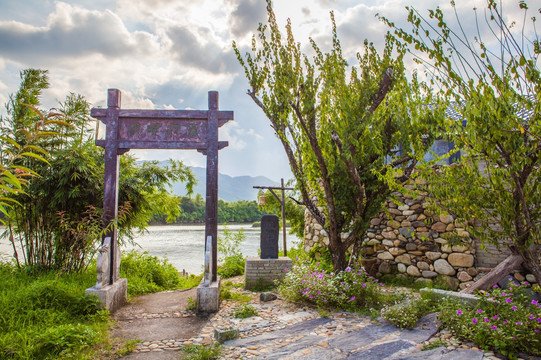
x: 46, y: 315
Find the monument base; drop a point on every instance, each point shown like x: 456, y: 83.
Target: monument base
x: 208, y: 297
x: 260, y: 273
x: 113, y: 296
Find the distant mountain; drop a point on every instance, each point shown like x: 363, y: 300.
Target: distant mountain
x: 230, y: 188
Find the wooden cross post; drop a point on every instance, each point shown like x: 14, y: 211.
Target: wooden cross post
x: 282, y: 202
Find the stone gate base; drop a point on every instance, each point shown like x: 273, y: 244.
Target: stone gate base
x: 112, y: 296
x: 208, y: 297
x: 263, y: 272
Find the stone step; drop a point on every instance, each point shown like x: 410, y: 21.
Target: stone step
x: 442, y: 353
x: 375, y: 341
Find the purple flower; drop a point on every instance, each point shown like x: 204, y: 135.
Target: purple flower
x: 536, y: 330
x: 364, y: 285
x: 538, y: 319
x: 348, y: 269
x: 495, y: 286
x: 474, y: 321
x: 534, y: 302
x: 505, y: 321
x: 285, y: 269
x: 480, y: 311
x: 514, y: 308
x: 508, y: 300
x: 352, y: 298
x: 494, y: 327
x: 518, y: 323
x: 487, y: 320
x: 495, y: 317
x: 459, y: 312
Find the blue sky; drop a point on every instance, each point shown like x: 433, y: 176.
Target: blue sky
x: 170, y: 53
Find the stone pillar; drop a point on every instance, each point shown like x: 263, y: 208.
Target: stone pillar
x: 270, y: 230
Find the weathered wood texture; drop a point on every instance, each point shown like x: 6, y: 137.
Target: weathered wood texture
x: 496, y: 274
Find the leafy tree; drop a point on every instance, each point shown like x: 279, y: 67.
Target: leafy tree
x: 494, y: 77
x: 57, y: 219
x: 21, y: 133
x: 350, y: 134
x: 294, y: 211
x: 192, y: 210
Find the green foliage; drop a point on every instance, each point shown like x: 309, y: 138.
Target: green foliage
x: 351, y: 289
x: 230, y: 260
x: 22, y: 133
x: 48, y: 316
x: 294, y: 211
x: 232, y: 266
x: 192, y: 210
x: 495, y: 82
x: 227, y: 293
x: 506, y: 321
x: 433, y: 345
x: 148, y: 274
x: 346, y: 146
x: 56, y: 221
x: 244, y: 311
x: 192, y: 304
x: 202, y: 352
x: 406, y: 314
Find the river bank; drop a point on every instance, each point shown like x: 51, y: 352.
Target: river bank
x: 182, y: 245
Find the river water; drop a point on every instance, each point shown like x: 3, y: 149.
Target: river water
x: 182, y: 245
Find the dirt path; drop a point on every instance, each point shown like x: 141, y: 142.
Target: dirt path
x: 159, y: 318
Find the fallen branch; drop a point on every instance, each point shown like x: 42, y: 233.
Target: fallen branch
x: 496, y: 274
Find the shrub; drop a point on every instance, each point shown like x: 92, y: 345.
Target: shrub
x: 231, y: 260
x: 147, y: 274
x: 350, y: 289
x: 507, y: 321
x: 406, y: 314
x: 232, y: 266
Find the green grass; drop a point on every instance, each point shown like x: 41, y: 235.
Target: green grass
x: 201, y: 352
x: 48, y: 316
x: 226, y: 293
x: 245, y: 311
x: 148, y: 274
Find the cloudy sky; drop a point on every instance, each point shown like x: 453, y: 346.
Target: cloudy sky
x: 167, y: 54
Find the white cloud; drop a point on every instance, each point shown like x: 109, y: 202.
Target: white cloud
x: 72, y: 32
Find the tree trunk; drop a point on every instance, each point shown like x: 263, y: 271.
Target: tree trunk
x: 338, y: 252
x: 496, y: 274
x: 531, y: 259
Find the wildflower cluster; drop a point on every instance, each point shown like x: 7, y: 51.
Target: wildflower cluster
x: 350, y: 289
x: 508, y: 321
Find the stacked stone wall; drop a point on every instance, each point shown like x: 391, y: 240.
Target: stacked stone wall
x: 409, y: 239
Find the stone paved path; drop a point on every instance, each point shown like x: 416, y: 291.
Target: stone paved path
x: 283, y: 330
